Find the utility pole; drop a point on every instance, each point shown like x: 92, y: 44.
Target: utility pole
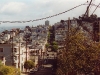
x: 68, y: 26
x: 43, y: 59
x: 67, y: 33
x: 12, y: 49
x: 26, y: 48
x: 87, y: 11
x: 19, y: 52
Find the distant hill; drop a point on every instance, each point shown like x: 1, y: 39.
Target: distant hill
x: 2, y: 28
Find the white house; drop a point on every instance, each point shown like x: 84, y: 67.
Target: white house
x: 14, y: 54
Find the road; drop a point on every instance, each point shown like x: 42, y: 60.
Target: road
x: 49, y: 68
x: 43, y: 71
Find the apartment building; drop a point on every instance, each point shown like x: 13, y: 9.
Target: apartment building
x: 13, y: 55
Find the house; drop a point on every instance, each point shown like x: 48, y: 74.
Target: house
x: 14, y: 55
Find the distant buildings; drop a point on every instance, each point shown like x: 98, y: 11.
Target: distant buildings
x: 47, y: 23
x: 13, y: 49
x: 18, y: 45
x: 61, y: 30
x: 39, y: 39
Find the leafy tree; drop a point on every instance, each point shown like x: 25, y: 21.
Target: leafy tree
x: 54, y: 48
x: 8, y: 70
x: 54, y: 43
x: 48, y: 36
x: 1, y: 63
x: 80, y: 55
x: 47, y: 46
x: 29, y: 64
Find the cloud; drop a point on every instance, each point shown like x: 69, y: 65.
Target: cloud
x: 13, y: 7
x: 45, y: 13
x: 36, y: 9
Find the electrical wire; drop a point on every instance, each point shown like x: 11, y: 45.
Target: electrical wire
x: 95, y: 8
x: 91, y: 5
x: 42, y: 18
x: 48, y: 16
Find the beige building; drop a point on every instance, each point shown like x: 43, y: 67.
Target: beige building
x: 15, y: 56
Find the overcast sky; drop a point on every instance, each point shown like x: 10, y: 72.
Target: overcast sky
x: 34, y: 9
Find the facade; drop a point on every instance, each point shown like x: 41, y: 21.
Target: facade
x: 15, y: 56
x: 6, y: 52
x: 39, y: 39
x: 35, y: 54
x: 60, y: 33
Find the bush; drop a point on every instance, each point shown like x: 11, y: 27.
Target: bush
x: 29, y: 64
x: 8, y: 70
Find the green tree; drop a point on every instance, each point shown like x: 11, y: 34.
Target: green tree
x: 47, y: 46
x: 48, y: 36
x: 54, y: 48
x: 1, y: 63
x: 8, y: 70
x: 54, y: 43
x: 29, y: 64
x: 80, y: 55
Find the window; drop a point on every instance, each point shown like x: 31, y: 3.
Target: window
x: 15, y: 50
x: 14, y: 64
x: 22, y: 58
x: 1, y: 58
x: 22, y: 52
x: 1, y: 49
x: 15, y: 57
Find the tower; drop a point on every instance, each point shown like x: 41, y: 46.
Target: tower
x: 47, y: 22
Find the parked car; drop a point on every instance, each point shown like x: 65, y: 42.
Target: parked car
x: 36, y: 69
x: 31, y: 72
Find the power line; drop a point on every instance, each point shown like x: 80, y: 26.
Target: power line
x: 48, y: 16
x: 93, y: 5
x: 95, y: 8
x: 41, y: 18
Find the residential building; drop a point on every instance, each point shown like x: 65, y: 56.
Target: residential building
x: 13, y: 55
x: 17, y: 45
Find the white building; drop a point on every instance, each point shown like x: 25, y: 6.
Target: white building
x: 14, y: 54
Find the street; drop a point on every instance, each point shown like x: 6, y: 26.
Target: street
x: 43, y: 71
x: 47, y: 68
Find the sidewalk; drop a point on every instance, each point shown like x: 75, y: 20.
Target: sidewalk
x: 24, y: 73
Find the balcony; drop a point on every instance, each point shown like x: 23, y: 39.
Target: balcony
x: 15, y: 59
x: 15, y: 53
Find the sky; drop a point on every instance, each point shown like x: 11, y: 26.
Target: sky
x: 12, y: 10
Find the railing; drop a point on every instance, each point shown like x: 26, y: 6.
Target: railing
x: 15, y: 61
